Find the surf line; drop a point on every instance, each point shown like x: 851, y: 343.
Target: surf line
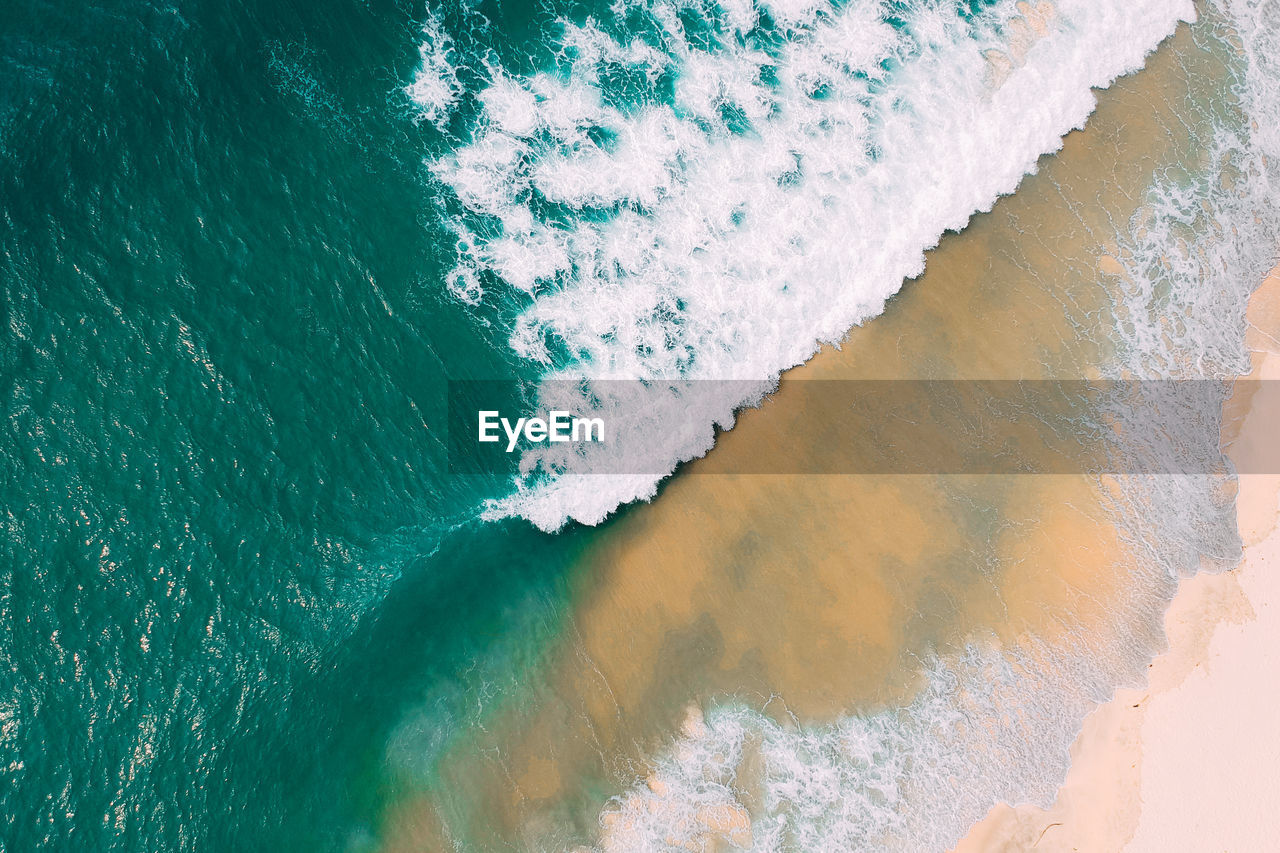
x: 557, y: 426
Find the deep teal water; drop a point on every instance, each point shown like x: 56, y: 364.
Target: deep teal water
x: 232, y: 564
x: 243, y: 605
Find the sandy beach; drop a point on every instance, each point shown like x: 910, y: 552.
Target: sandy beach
x: 810, y: 598
x: 1188, y: 761
x: 640, y: 426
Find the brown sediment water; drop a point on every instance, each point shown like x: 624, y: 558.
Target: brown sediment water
x: 811, y: 597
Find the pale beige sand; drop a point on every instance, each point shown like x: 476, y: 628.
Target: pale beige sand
x: 1190, y: 761
x: 816, y: 597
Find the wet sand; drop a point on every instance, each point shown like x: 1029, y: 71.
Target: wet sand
x: 1188, y: 760
x: 810, y: 597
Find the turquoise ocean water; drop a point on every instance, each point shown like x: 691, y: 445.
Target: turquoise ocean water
x: 231, y: 558
x: 243, y: 248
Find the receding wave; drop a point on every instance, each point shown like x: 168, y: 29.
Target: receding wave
x: 995, y: 721
x: 777, y: 180
x: 714, y: 190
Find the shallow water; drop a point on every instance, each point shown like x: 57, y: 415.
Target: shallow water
x: 797, y: 601
x: 244, y: 603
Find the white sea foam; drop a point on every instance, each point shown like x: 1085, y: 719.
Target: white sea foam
x: 996, y: 724
x: 682, y: 249
x: 776, y: 199
x: 1201, y: 242
x: 435, y: 87
x: 914, y: 778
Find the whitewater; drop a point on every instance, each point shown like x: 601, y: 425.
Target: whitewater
x: 714, y: 191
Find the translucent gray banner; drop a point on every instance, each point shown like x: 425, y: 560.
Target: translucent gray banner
x: 859, y: 427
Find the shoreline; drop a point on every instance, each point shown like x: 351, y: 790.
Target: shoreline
x: 813, y: 601
x: 1183, y: 738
